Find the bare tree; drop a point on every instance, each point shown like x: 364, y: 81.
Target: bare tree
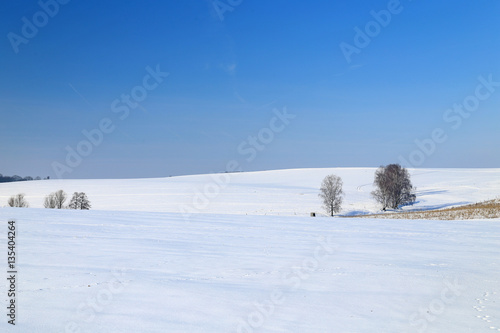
x: 331, y: 193
x: 18, y: 201
x: 60, y: 198
x: 50, y: 201
x: 393, y: 187
x: 79, y: 201
x: 55, y: 200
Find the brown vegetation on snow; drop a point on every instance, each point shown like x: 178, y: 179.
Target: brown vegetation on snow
x: 483, y: 210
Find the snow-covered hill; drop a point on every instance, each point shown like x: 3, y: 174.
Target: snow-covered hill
x: 280, y: 192
x: 139, y: 262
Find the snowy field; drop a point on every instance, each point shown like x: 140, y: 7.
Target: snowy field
x: 239, y: 253
x: 281, y: 192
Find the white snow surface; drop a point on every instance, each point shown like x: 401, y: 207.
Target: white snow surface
x: 198, y: 254
x: 279, y: 192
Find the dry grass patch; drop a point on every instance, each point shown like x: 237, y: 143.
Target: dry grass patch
x: 483, y: 210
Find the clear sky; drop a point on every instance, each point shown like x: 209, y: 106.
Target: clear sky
x: 266, y: 84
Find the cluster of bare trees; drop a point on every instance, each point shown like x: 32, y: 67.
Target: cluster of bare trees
x: 55, y: 200
x: 393, y: 189
x: 18, y: 200
x: 79, y: 201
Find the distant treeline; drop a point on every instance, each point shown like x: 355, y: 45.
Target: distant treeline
x: 16, y: 178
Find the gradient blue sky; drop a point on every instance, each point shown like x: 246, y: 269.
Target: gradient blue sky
x: 226, y: 77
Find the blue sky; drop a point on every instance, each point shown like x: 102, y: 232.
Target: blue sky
x: 231, y: 66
